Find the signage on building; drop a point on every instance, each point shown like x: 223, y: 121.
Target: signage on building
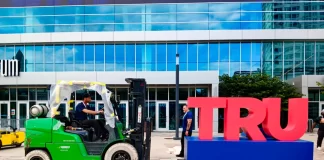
x: 13, y: 112
x: 9, y: 68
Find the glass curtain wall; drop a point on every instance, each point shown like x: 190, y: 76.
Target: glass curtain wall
x: 283, y: 59
x: 162, y: 17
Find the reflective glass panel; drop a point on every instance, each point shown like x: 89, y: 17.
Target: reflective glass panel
x: 245, y: 57
x: 320, y: 58
x: 224, y: 58
x: 235, y: 56
x: 68, y: 58
x: 39, y: 58
x: 192, y: 56
x: 49, y: 58
x: 161, y: 56
x: 120, y: 57
x: 140, y: 57
x: 288, y: 60
x: 310, y: 58
x: 59, y: 57
x: 130, y: 57
x: 213, y: 56
x: 109, y: 57
x: 30, y: 58
x: 100, y: 57
x: 89, y: 57
x: 267, y: 58
x: 79, y: 57
x: 299, y: 58
x: 182, y: 50
x: 256, y: 56
x: 203, y: 56
x: 150, y: 57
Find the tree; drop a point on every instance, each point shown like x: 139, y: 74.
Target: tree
x: 321, y: 86
x: 258, y: 86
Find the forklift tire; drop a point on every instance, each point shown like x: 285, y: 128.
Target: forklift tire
x: 39, y: 154
x: 121, y: 150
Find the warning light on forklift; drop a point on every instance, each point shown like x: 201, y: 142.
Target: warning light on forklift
x: 265, y: 112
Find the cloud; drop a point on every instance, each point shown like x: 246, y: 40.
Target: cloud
x: 226, y: 67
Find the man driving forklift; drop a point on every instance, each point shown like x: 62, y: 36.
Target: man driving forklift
x: 81, y: 114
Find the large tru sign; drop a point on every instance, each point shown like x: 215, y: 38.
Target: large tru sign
x: 265, y: 112
x: 9, y: 68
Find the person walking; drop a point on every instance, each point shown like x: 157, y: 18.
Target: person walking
x: 320, y: 132
x: 186, y: 127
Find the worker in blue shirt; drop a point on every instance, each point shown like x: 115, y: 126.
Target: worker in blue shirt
x: 81, y: 115
x: 186, y: 127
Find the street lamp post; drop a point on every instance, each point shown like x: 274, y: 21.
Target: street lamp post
x: 177, y: 99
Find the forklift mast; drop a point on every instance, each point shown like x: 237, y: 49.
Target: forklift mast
x: 137, y: 95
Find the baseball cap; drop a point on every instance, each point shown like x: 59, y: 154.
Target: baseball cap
x: 322, y: 111
x: 86, y: 95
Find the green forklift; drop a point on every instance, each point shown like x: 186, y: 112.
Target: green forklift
x: 52, y: 136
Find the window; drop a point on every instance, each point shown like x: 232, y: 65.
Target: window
x: 99, y: 57
x: 162, y: 93
x: 123, y: 93
x: 203, y: 56
x: 120, y: 57
x: 22, y: 93
x: 4, y: 94
x: 130, y: 57
x: 213, y: 56
x: 42, y: 94
x: 313, y: 95
x: 192, y: 57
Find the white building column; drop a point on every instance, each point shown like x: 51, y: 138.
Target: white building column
x: 214, y: 92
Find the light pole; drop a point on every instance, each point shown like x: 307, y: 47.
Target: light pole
x: 177, y: 99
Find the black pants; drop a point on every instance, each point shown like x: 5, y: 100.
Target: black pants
x: 182, y: 141
x: 96, y: 125
x: 320, y: 138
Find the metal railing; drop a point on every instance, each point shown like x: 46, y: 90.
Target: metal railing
x: 15, y: 123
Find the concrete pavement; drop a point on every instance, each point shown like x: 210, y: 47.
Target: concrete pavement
x: 163, y: 148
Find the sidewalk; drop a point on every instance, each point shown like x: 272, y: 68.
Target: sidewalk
x: 163, y: 147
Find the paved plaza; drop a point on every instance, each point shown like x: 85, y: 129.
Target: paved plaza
x: 163, y: 148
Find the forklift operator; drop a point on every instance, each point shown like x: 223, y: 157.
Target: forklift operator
x: 81, y: 111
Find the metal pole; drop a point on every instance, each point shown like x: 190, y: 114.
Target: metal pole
x: 177, y: 99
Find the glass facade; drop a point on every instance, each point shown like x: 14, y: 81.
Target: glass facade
x: 316, y: 102
x: 161, y: 17
x: 283, y: 59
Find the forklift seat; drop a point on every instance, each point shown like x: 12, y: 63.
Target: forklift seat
x: 87, y: 134
x: 76, y: 123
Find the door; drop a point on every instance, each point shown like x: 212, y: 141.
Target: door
x: 123, y: 110
x: 4, y: 114
x: 162, y: 118
x: 22, y: 114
